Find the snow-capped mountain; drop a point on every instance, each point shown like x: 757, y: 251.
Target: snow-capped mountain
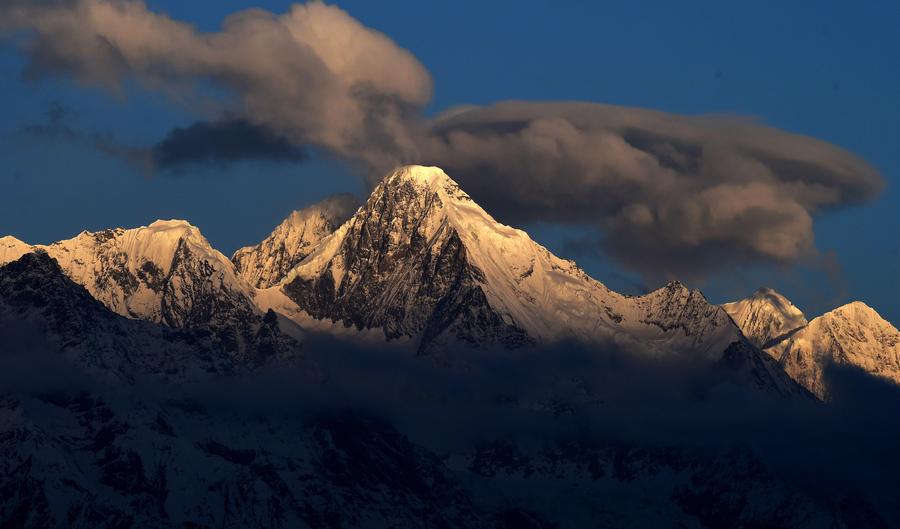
x: 853, y: 334
x: 419, y: 261
x: 12, y: 248
x: 109, y: 455
x: 165, y: 273
x: 766, y: 317
x: 264, y: 264
x: 422, y: 261
x: 34, y: 291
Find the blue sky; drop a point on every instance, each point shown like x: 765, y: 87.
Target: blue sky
x: 826, y: 69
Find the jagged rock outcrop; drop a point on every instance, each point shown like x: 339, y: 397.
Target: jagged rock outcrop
x: 265, y: 264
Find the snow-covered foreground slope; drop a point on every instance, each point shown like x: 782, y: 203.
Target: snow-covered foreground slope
x: 766, y: 317
x: 853, y: 334
x: 266, y: 263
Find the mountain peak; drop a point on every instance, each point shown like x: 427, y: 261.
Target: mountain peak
x: 174, y: 228
x: 766, y: 317
x: 265, y: 264
x: 11, y: 249
x: 858, y: 314
x: 770, y: 294
x: 163, y: 224
x: 856, y: 307
x: 429, y: 176
x: 424, y: 179
x: 158, y: 243
x: 166, y: 272
x: 675, y: 285
x: 852, y: 334
x: 35, y: 264
x: 422, y: 260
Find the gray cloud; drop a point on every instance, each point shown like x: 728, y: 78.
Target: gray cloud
x: 207, y: 142
x: 674, y: 195
x: 314, y: 75
x: 671, y: 195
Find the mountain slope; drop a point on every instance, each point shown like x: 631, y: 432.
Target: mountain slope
x: 766, y: 317
x: 11, y: 249
x: 421, y: 259
x: 165, y: 273
x: 116, y: 456
x: 264, y: 264
x: 38, y: 299
x: 853, y: 334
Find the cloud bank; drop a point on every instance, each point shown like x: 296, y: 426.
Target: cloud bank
x: 672, y: 195
x: 690, y: 194
x: 313, y: 75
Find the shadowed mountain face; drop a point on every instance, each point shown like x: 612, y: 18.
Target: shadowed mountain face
x: 146, y: 381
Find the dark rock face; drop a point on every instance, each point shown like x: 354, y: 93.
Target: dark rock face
x: 190, y: 298
x: 743, y: 362
x: 676, y: 307
x: 396, y: 277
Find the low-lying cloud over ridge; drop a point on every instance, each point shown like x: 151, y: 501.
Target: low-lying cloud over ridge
x: 672, y: 195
